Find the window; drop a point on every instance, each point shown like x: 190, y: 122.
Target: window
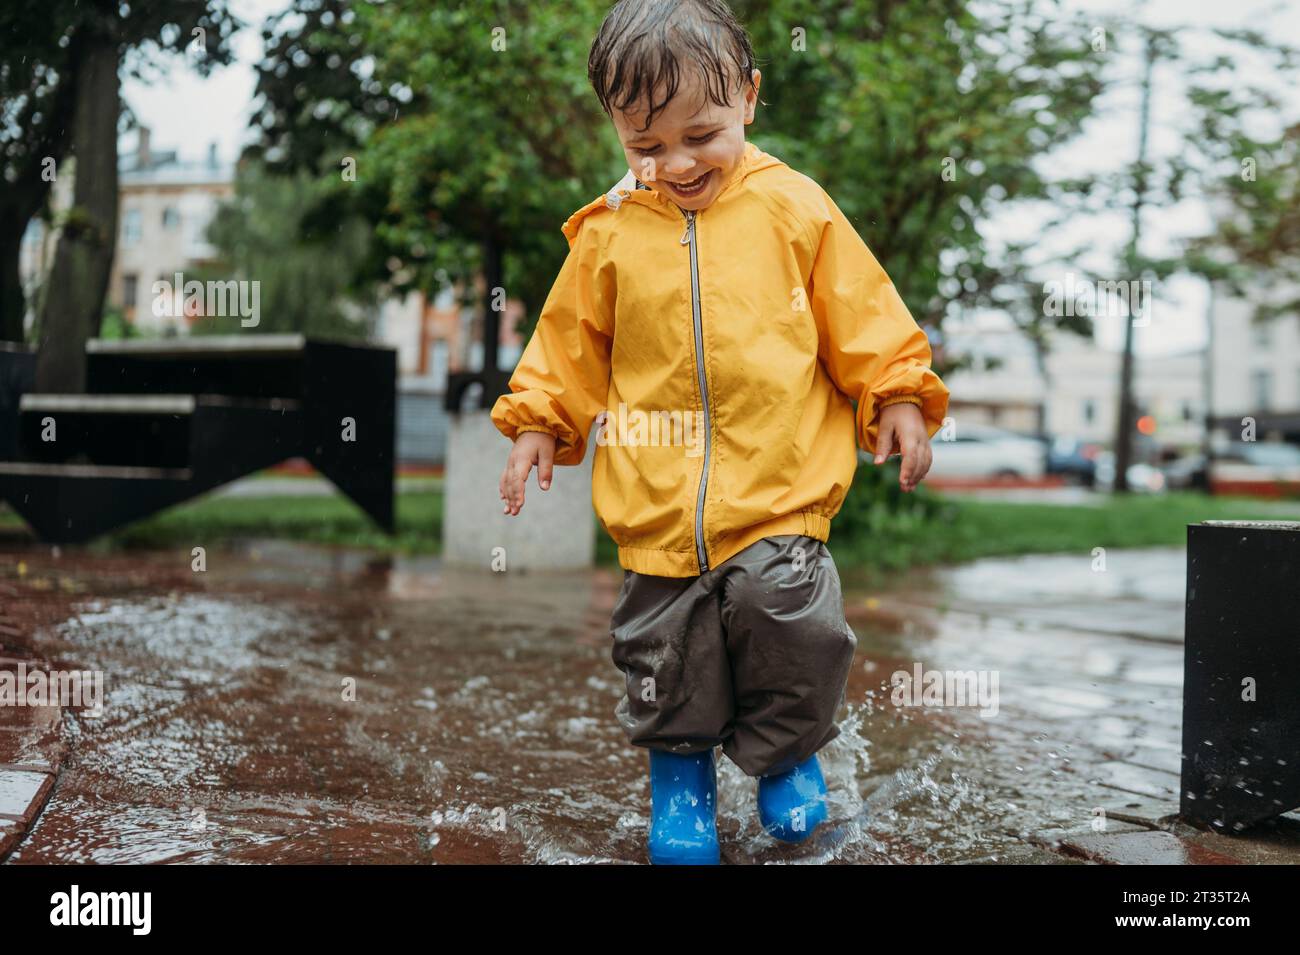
x: 1262, y: 334
x: 508, y: 356
x: 130, y: 288
x: 1263, y: 388
x: 131, y: 227
x: 171, y: 218
x: 1089, y: 410
x: 438, y: 355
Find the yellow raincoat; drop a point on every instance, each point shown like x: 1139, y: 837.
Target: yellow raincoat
x: 725, y: 347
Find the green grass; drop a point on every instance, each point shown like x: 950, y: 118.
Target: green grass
x: 331, y: 520
x: 952, y: 529
x: 965, y: 529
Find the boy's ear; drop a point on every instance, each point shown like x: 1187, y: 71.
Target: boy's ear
x: 751, y: 97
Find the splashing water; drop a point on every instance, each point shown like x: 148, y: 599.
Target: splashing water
x: 480, y: 728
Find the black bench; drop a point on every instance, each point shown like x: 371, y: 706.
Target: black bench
x: 164, y: 421
x: 17, y: 374
x: 1241, y: 673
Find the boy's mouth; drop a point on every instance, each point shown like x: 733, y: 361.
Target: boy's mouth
x: 688, y: 190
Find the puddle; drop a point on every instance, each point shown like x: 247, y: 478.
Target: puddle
x: 300, y: 705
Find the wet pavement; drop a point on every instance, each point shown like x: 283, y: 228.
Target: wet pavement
x: 294, y: 704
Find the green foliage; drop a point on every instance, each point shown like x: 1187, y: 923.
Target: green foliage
x: 262, y: 235
x: 1255, y: 243
x: 877, y: 514
x: 499, y: 136
x: 477, y: 121
x: 454, y: 142
x: 1236, y: 147
x: 923, y: 119
x: 115, y: 326
x: 42, y: 51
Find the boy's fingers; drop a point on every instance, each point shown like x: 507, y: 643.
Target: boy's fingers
x: 509, y: 489
x: 544, y: 460
x: 884, y: 443
x: 905, y: 473
x: 521, y: 473
x: 519, y: 468
x: 923, y: 459
x: 916, y: 461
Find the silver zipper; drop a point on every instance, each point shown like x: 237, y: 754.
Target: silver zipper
x: 688, y: 237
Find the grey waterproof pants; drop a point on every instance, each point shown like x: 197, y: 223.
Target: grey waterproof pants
x: 752, y: 655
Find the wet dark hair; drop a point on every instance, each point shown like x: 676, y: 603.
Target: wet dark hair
x: 642, y: 44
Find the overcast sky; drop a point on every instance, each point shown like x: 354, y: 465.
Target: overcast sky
x: 187, y: 112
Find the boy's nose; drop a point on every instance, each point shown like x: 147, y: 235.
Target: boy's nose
x: 678, y: 164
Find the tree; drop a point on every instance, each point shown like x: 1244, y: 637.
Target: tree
x: 60, y: 72
x: 304, y: 275
x: 36, y: 105
x: 475, y: 132
x: 78, y: 281
x: 1217, y: 160
x: 471, y: 132
x: 1253, y: 183
x: 922, y: 121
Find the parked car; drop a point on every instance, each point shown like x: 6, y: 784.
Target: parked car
x: 1256, y: 467
x: 1186, y: 472
x: 982, y: 451
x: 1074, y: 459
x: 1143, y: 478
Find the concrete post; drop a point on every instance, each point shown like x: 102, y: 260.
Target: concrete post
x: 556, y: 530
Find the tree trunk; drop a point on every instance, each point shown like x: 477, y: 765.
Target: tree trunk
x: 78, y: 281
x: 494, y: 278
x: 11, y: 287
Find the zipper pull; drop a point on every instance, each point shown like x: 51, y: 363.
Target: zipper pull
x: 690, y: 227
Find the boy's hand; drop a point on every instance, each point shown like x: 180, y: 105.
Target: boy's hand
x: 531, y: 447
x: 902, y: 425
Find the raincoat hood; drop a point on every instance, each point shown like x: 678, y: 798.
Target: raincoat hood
x: 753, y: 161
x: 731, y: 359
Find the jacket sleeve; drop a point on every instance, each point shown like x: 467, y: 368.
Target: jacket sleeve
x: 870, y: 345
x: 562, y: 380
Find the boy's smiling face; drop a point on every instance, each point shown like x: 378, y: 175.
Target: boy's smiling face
x: 694, y: 145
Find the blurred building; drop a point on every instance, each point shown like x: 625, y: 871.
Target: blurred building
x: 1072, y: 390
x: 434, y: 338
x: 1083, y: 395
x: 1004, y: 386
x: 165, y: 208
x: 1255, y: 371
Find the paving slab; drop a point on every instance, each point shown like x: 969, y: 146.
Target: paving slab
x: 1153, y: 847
x: 1276, y: 842
x: 23, y: 793
x: 480, y: 728
x: 31, y: 750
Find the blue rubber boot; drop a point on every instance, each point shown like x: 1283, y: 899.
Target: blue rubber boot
x: 792, y: 804
x: 683, y: 809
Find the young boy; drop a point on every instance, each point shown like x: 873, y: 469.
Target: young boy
x: 723, y: 313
